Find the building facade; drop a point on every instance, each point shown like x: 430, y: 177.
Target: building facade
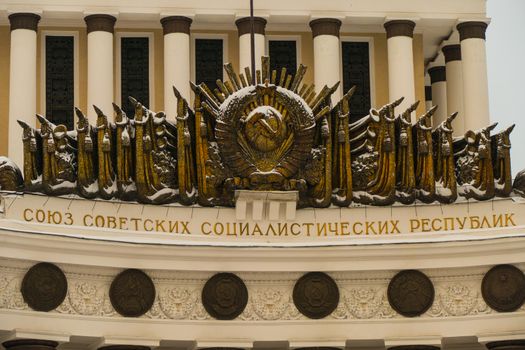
x: 85, y: 273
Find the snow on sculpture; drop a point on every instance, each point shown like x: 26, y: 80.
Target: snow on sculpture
x: 276, y: 134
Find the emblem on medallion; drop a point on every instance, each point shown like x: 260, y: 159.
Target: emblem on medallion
x: 316, y: 295
x: 503, y: 288
x: 224, y: 296
x: 132, y: 293
x: 44, y: 287
x: 410, y: 293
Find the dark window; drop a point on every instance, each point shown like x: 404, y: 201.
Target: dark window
x: 208, y: 61
x: 60, y: 91
x: 283, y: 53
x: 134, y: 67
x: 356, y: 71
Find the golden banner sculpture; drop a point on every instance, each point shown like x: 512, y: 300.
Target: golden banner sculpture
x: 276, y: 135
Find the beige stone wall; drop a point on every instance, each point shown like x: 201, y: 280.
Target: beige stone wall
x: 4, y: 87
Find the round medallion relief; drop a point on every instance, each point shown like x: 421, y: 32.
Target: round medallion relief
x: 503, y: 288
x: 410, y: 293
x: 224, y: 296
x: 44, y: 287
x: 316, y: 295
x: 132, y: 293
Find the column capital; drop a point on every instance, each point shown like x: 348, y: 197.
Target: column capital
x: 399, y: 27
x: 452, y: 52
x: 100, y: 23
x: 176, y: 24
x: 437, y: 74
x: 24, y: 20
x: 244, y: 26
x: 325, y: 26
x: 472, y: 30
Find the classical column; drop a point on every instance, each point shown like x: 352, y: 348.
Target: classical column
x: 176, y: 60
x: 327, y: 54
x: 401, y: 83
x: 438, y: 77
x: 22, y: 80
x: 244, y: 29
x: 454, y: 74
x: 474, y: 68
x: 100, y: 80
x: 30, y: 344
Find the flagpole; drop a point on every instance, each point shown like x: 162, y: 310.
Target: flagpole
x: 252, y: 42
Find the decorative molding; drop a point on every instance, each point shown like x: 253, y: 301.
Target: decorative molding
x: 399, y: 27
x: 176, y: 24
x: 24, y: 20
x: 100, y: 22
x: 325, y: 26
x: 472, y: 30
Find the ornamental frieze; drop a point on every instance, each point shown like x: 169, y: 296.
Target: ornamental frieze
x: 457, y: 293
